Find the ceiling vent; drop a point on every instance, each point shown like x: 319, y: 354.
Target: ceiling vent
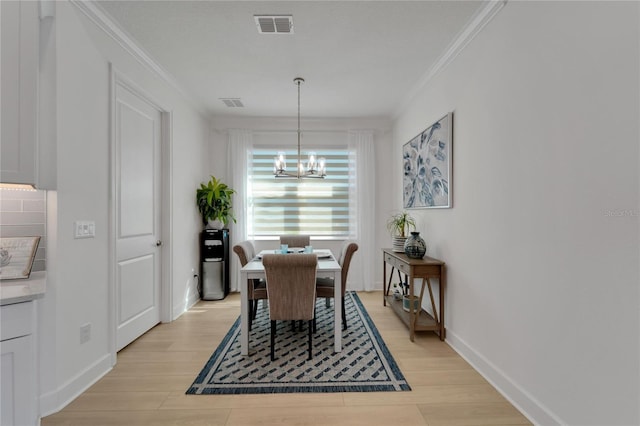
x: 274, y: 24
x: 232, y: 102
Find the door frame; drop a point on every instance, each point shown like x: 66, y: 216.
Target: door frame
x: 166, y: 177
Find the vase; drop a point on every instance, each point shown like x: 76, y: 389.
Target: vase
x: 415, y: 247
x: 214, y: 224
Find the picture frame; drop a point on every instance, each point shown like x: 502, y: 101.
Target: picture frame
x: 16, y: 257
x: 428, y: 166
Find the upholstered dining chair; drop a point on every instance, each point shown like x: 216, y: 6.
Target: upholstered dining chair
x: 325, y: 286
x: 257, y: 289
x: 291, y: 287
x: 295, y: 240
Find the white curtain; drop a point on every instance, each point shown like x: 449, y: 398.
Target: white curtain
x: 240, y: 145
x: 363, y: 191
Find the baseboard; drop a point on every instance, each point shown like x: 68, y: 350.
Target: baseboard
x: 55, y: 401
x: 531, y: 408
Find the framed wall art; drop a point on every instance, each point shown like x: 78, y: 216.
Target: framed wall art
x: 16, y: 257
x: 427, y: 167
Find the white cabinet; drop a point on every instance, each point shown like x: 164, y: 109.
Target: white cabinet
x: 16, y: 394
x: 17, y: 365
x: 19, y: 36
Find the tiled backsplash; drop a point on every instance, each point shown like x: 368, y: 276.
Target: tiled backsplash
x: 24, y: 214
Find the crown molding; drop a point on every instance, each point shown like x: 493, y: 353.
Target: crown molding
x: 468, y: 33
x: 111, y: 29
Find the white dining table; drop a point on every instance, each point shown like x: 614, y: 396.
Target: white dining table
x: 328, y: 267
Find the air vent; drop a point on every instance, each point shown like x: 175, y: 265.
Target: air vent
x: 274, y: 24
x: 232, y: 102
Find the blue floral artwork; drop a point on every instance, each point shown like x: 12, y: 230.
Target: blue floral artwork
x: 427, y: 167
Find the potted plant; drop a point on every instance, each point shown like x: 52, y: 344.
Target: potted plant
x: 399, y: 225
x: 215, y: 202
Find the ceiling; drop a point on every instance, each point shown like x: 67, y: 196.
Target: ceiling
x: 359, y: 58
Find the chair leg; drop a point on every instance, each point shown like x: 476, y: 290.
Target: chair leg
x: 327, y: 302
x: 315, y: 329
x: 344, y: 315
x: 251, y: 303
x: 309, y: 325
x: 273, y: 339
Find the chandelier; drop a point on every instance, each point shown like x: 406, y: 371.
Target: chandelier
x: 314, y: 167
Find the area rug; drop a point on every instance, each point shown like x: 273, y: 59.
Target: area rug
x: 364, y: 365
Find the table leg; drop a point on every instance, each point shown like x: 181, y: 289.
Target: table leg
x: 420, y: 303
x: 433, y: 303
x: 244, y: 315
x: 385, y: 288
x: 412, y: 313
x: 337, y: 306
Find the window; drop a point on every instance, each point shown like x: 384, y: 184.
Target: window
x: 317, y: 207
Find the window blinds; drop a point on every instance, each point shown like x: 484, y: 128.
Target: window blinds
x: 316, y: 207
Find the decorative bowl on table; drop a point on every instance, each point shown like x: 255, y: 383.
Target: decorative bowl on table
x: 406, y: 303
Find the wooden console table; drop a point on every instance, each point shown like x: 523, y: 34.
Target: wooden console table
x: 425, y: 269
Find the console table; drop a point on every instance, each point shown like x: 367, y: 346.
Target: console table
x: 425, y: 269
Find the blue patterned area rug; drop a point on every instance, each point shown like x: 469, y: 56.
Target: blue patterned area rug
x: 364, y: 365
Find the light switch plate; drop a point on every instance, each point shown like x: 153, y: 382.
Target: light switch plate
x: 84, y: 229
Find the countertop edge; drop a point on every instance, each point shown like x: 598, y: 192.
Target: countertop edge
x: 18, y: 291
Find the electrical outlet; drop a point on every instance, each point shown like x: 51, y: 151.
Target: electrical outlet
x: 85, y: 333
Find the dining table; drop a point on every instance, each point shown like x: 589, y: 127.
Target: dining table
x: 328, y: 267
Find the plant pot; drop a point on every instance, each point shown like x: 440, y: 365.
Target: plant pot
x: 406, y: 304
x: 214, y: 224
x: 398, y: 244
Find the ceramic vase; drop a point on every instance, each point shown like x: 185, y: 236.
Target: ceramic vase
x: 415, y: 247
x: 214, y: 224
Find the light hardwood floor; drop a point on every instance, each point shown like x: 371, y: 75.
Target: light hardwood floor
x: 148, y: 384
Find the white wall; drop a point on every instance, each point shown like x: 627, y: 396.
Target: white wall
x: 189, y: 156
x: 78, y: 270
x: 541, y: 244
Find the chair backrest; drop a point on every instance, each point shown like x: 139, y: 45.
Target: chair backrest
x: 348, y: 248
x: 245, y: 251
x: 295, y: 240
x: 291, y: 285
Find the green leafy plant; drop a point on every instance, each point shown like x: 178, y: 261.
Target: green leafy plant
x: 401, y: 224
x: 215, y: 201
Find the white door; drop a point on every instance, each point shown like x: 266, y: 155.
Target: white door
x: 137, y: 127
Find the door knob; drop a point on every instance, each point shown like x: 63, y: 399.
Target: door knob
x: 158, y: 243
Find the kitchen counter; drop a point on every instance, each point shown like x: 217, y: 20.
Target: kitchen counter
x: 17, y: 291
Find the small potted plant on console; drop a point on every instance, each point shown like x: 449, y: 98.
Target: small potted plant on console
x: 399, y: 225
